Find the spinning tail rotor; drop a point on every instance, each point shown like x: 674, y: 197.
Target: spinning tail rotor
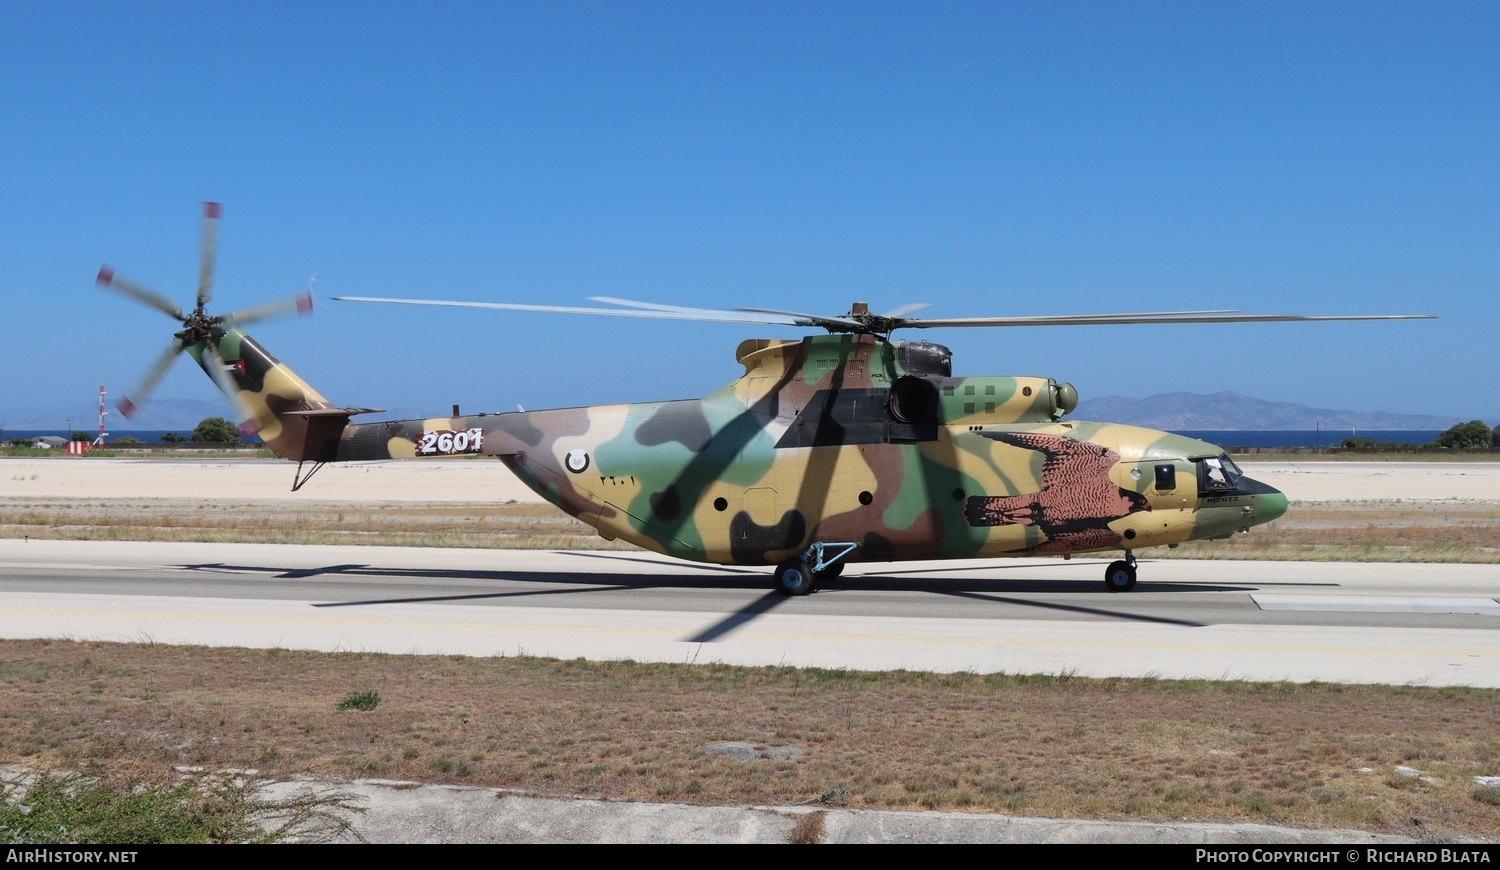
x: 200, y: 330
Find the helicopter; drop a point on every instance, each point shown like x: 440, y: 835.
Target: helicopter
x: 848, y: 446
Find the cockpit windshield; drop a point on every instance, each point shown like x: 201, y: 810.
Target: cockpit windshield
x: 1218, y: 475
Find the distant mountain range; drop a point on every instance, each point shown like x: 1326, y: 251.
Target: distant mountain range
x: 1180, y: 411
x: 1237, y: 411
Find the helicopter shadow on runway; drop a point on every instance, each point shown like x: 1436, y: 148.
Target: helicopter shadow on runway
x: 996, y: 591
x: 573, y: 582
x: 713, y: 577
x: 969, y: 588
x: 904, y: 579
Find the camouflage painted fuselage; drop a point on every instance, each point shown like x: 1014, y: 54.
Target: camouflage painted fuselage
x: 836, y: 438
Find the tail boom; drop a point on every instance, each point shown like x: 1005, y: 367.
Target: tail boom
x: 297, y: 423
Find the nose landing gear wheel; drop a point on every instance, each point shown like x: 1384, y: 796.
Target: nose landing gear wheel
x: 1119, y: 576
x: 794, y: 577
x: 830, y: 573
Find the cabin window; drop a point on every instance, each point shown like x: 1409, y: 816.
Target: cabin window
x: 1166, y: 478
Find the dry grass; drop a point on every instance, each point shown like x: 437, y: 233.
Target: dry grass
x: 409, y: 524
x: 1051, y: 746
x: 808, y: 830
x: 1365, y: 531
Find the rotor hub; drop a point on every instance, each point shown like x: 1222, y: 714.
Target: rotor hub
x: 199, y: 327
x: 867, y: 323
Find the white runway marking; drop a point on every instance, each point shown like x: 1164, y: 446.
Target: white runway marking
x: 1377, y: 604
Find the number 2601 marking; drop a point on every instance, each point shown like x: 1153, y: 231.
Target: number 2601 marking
x: 446, y: 442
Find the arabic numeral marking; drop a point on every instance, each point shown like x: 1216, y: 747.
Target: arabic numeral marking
x: 460, y: 442
x: 427, y: 442
x: 445, y: 442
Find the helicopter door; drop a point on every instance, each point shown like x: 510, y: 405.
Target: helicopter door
x: 913, y: 409
x: 761, y: 525
x: 760, y: 504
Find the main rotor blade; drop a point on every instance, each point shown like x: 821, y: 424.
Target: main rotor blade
x: 110, y: 281
x: 138, y: 397
x: 632, y: 308
x: 207, y: 252
x: 737, y: 314
x: 663, y: 312
x: 649, y: 306
x: 905, y: 310
x: 808, y: 319
x: 1223, y: 316
x: 297, y: 303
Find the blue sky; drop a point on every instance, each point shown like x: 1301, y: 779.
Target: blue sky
x: 989, y: 158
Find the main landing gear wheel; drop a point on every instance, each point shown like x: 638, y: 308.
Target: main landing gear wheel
x: 794, y: 577
x: 830, y: 573
x: 1119, y: 576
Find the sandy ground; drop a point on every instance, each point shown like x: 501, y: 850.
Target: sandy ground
x: 484, y: 480
x: 1360, y: 481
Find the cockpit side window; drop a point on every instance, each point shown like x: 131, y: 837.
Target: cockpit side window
x: 1218, y: 475
x: 1166, y: 478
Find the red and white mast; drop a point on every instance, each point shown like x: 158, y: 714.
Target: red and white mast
x: 99, y: 442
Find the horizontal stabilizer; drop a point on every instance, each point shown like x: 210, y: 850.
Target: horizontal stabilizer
x: 333, y: 412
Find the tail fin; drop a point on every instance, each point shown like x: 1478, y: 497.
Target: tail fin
x: 291, y: 417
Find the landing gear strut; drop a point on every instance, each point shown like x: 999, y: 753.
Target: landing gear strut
x: 1120, y: 576
x: 800, y: 574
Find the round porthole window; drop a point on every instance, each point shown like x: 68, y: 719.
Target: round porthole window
x: 577, y: 461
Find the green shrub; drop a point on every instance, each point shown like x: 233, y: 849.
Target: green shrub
x: 360, y: 701
x: 205, y: 808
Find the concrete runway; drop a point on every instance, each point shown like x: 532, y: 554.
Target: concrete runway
x: 1414, y: 624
